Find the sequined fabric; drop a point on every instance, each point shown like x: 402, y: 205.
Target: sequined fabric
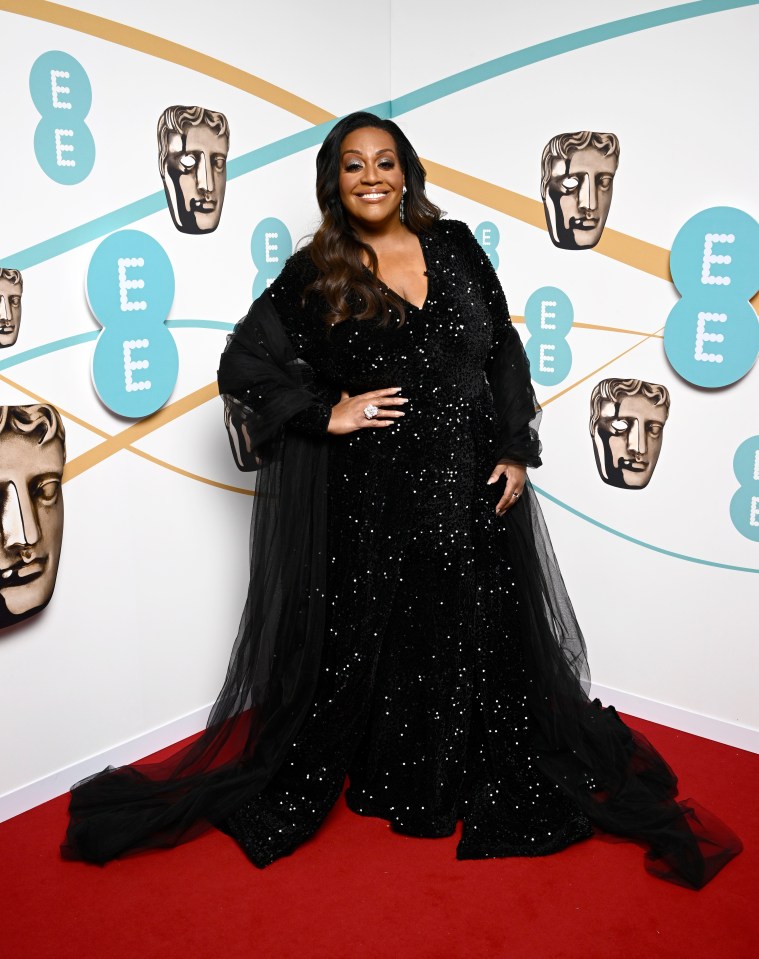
x: 422, y: 694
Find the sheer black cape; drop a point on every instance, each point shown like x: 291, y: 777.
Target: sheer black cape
x: 612, y: 772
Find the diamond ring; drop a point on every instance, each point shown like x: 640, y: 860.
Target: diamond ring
x: 370, y: 411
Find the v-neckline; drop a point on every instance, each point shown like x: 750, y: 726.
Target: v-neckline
x: 426, y: 273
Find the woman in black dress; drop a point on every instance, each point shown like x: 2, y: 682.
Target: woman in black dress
x: 406, y: 624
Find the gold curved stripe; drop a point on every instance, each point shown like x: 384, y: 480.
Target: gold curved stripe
x: 41, y: 399
x: 616, y: 329
x: 119, y: 441
x: 627, y: 249
x: 79, y: 465
x: 643, y: 256
x: 568, y: 389
x: 597, y: 326
x: 164, y: 49
x: 193, y: 476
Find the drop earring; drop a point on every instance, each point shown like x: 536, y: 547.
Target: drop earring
x: 402, y: 211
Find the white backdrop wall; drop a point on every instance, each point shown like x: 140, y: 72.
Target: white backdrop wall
x: 134, y: 644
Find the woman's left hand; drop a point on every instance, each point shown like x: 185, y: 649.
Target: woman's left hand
x: 516, y: 475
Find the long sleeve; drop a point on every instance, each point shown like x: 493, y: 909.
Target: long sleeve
x: 266, y: 385
x: 313, y: 420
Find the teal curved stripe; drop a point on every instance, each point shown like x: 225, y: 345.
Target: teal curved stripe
x: 304, y: 139
x: 46, y: 348
x: 67, y: 341
x: 557, y: 47
x: 200, y: 325
x: 75, y: 340
x: 640, y: 542
x: 139, y: 209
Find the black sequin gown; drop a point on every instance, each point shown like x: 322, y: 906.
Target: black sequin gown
x: 422, y: 693
x: 396, y: 631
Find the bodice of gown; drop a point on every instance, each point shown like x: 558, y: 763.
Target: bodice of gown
x: 438, y: 356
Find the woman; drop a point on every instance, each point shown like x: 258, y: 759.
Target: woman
x: 406, y: 623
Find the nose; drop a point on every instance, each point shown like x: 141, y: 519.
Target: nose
x: 18, y: 525
x: 3, y: 308
x: 588, y: 198
x: 371, y: 174
x: 205, y: 175
x: 636, y: 438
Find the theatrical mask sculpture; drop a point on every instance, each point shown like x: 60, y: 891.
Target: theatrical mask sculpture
x: 32, y: 454
x: 627, y: 420
x: 11, y: 290
x: 193, y: 144
x: 577, y: 182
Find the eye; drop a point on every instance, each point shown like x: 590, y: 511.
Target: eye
x: 46, y: 491
x: 352, y: 165
x: 15, y: 300
x: 619, y: 426
x: 570, y: 183
x: 605, y: 181
x: 219, y: 162
x: 654, y: 429
x: 188, y: 162
x: 386, y: 164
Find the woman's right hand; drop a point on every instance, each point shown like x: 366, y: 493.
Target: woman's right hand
x: 348, y: 415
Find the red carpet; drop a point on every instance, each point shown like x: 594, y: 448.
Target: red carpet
x: 358, y: 891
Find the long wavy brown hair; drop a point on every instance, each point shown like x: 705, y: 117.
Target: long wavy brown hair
x: 336, y: 250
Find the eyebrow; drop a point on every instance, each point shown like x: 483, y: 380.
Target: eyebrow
x: 378, y: 153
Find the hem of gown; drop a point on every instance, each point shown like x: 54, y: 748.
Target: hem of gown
x: 264, y: 837
x: 574, y: 830
x: 253, y: 854
x: 366, y: 807
x: 258, y: 853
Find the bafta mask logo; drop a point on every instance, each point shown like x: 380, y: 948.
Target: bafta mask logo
x: 193, y: 144
x: 11, y: 288
x: 32, y: 454
x: 627, y: 420
x: 577, y: 182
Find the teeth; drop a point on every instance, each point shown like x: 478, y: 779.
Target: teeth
x: 371, y: 196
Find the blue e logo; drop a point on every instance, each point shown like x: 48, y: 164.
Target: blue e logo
x: 712, y: 334
x: 488, y: 236
x: 63, y: 143
x: 130, y: 287
x: 744, y: 506
x: 270, y: 246
x: 548, y: 315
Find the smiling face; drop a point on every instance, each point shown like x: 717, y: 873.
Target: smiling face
x: 10, y: 311
x: 371, y: 179
x: 195, y: 178
x: 627, y: 440
x: 578, y: 197
x: 31, y: 522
